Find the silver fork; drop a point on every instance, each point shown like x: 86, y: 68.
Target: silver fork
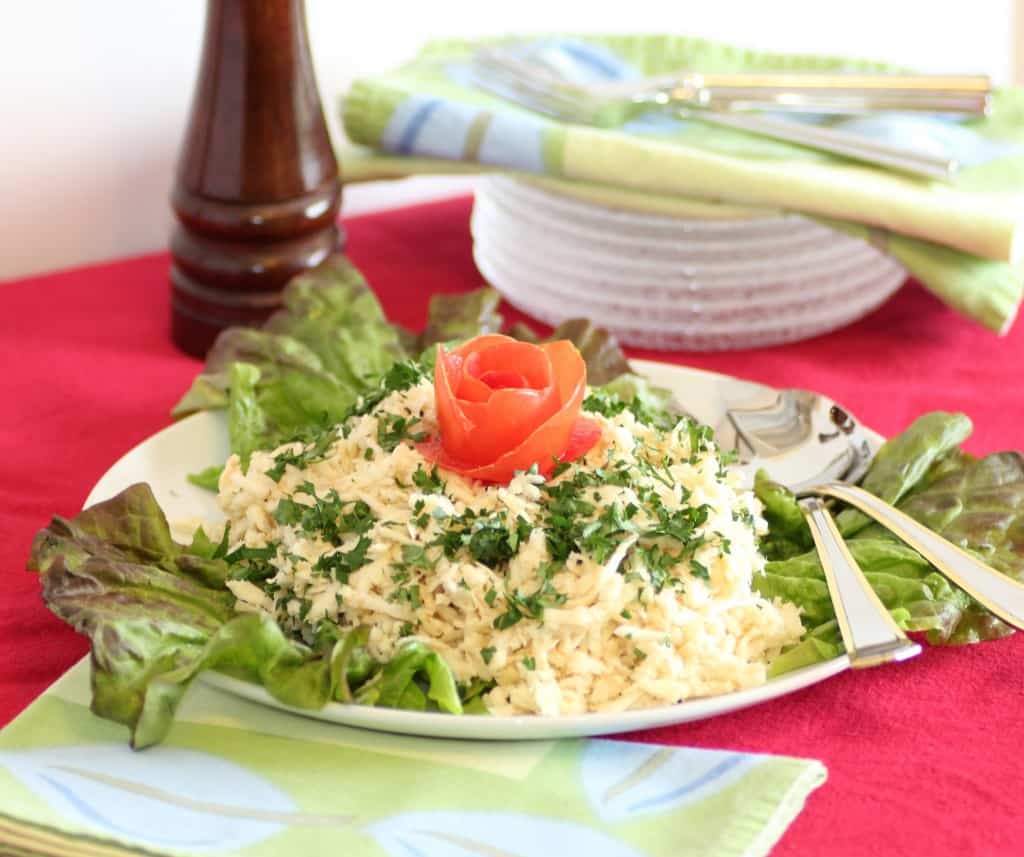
x: 818, y: 449
x: 508, y: 76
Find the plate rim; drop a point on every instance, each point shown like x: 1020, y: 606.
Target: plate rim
x: 504, y: 727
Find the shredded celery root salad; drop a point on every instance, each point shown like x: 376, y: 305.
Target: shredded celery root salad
x: 621, y: 579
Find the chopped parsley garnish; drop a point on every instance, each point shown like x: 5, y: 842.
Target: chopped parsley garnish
x: 416, y: 556
x: 487, y: 538
x: 565, y: 514
x: 428, y: 483
x: 392, y: 429
x: 699, y: 570
x: 420, y: 517
x: 680, y: 524
x: 560, y: 467
x: 530, y: 663
x: 508, y: 619
x: 568, y: 522
x: 311, y: 452
x: 487, y: 653
x: 492, y: 544
x: 531, y: 606
x: 406, y: 595
x: 401, y: 376
x: 330, y: 517
x: 610, y: 404
x: 601, y: 537
x: 245, y: 553
x: 701, y: 439
x: 248, y: 563
x: 659, y: 563
x: 744, y: 516
x: 340, y: 564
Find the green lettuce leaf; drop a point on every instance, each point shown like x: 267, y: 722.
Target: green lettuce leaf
x: 456, y: 318
x: 656, y: 406
x: 333, y: 311
x: 395, y: 686
x: 157, y: 614
x: 978, y: 505
x: 788, y: 534
x: 820, y: 644
x: 600, y: 350
x: 305, y: 368
x: 918, y: 597
x: 208, y: 477
x: 903, y: 462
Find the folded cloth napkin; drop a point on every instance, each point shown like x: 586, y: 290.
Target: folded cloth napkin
x: 235, y: 777
x: 963, y: 240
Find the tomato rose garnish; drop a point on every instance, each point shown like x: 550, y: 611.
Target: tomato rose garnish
x: 505, y: 405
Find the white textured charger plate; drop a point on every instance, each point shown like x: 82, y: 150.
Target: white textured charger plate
x: 588, y: 218
x: 826, y: 301
x: 692, y: 325
x: 199, y: 441
x: 674, y: 283
x: 648, y: 255
x: 635, y: 270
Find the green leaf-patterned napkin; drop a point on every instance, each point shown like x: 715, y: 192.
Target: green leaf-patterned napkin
x: 235, y: 777
x: 963, y: 240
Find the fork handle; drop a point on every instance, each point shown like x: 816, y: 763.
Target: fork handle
x: 998, y: 593
x: 836, y: 142
x: 869, y: 633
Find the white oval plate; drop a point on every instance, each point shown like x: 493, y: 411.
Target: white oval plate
x: 201, y: 440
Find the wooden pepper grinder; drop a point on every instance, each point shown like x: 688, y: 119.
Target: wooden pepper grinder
x: 257, y: 189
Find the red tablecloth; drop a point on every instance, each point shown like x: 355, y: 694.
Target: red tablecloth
x: 923, y: 758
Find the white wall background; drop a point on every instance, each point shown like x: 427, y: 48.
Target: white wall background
x: 94, y: 93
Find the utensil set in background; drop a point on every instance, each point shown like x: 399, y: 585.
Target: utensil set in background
x: 541, y: 80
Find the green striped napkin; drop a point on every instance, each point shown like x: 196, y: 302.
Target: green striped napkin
x: 235, y: 777
x: 963, y: 241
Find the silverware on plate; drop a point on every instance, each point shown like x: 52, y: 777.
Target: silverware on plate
x: 799, y: 437
x: 818, y: 450
x: 838, y: 93
x: 522, y: 76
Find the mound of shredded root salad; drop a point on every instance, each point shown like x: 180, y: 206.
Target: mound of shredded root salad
x: 503, y: 525
x: 621, y: 579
